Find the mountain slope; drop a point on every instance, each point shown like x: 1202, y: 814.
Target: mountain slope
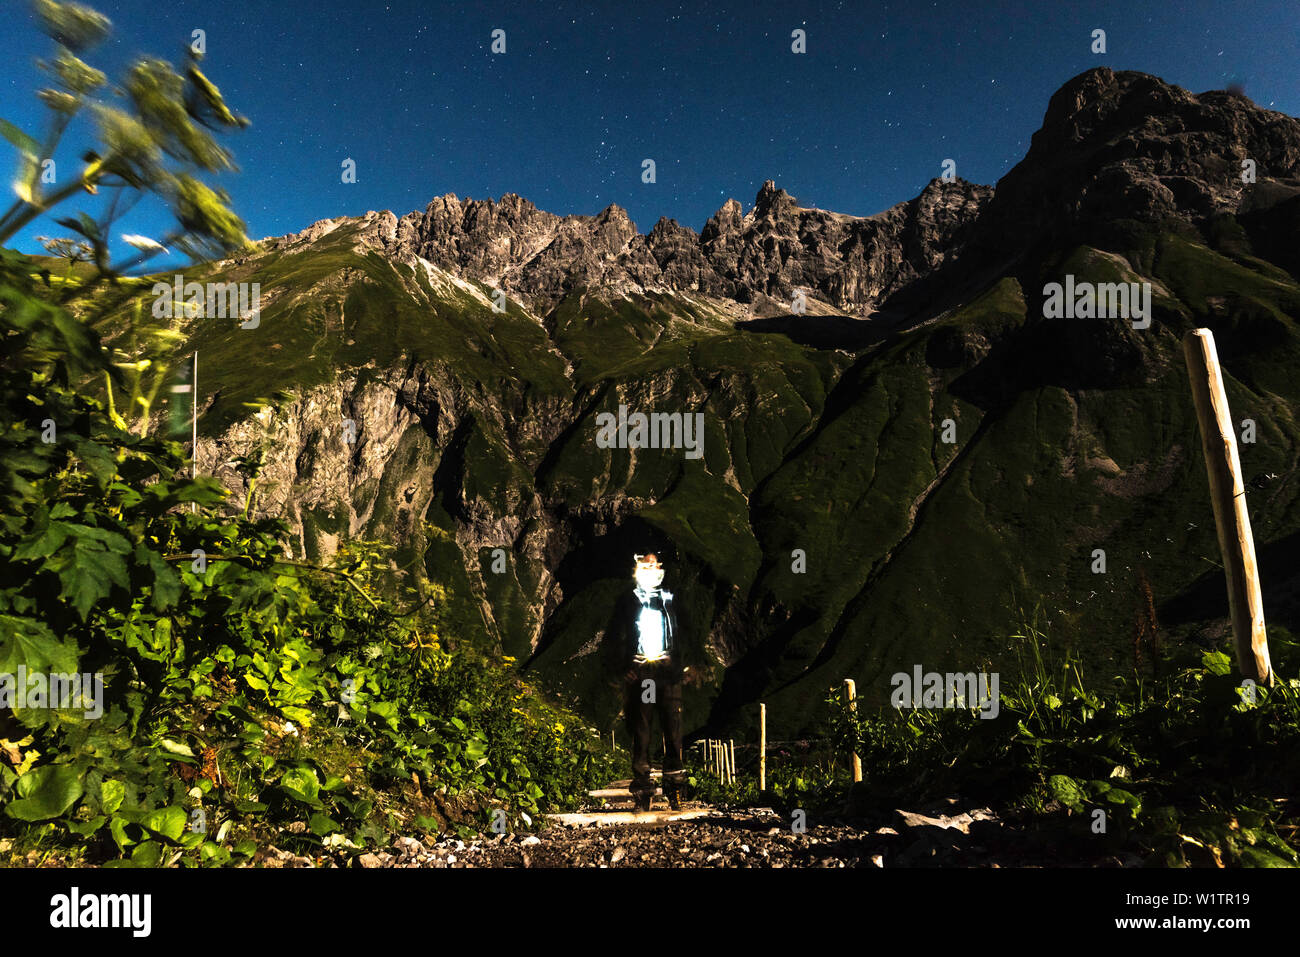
x: 476, y: 430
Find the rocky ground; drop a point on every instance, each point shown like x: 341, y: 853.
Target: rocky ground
x: 949, y: 835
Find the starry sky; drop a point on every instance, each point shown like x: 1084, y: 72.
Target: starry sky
x: 585, y: 92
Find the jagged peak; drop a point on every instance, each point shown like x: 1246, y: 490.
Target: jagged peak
x: 666, y: 226
x: 613, y: 211
x: 769, y: 196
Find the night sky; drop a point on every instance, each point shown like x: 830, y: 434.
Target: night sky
x: 585, y: 92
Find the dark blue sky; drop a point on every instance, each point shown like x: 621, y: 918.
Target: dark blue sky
x: 586, y: 91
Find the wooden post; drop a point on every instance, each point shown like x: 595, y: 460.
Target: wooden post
x: 762, y: 747
x: 1228, y: 495
x: 731, y: 768
x: 850, y: 695
x: 194, y: 426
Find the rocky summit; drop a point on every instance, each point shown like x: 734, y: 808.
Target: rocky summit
x: 899, y: 444
x: 847, y: 264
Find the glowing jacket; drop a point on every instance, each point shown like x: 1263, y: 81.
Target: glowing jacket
x: 644, y: 628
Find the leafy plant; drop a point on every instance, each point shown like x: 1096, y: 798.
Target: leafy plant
x: 248, y: 697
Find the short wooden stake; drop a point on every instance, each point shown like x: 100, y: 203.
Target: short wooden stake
x: 1228, y: 495
x: 762, y: 747
x: 850, y: 696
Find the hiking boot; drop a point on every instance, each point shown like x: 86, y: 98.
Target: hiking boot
x: 643, y: 800
x: 674, y: 798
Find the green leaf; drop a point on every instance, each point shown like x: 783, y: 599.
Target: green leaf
x: 211, y: 853
x: 117, y: 827
x: 1217, y: 663
x: 20, y: 139
x: 1126, y: 798
x: 147, y: 854
x: 32, y: 644
x: 111, y: 794
x: 91, y: 567
x: 45, y: 792
x: 167, y: 821
x: 98, y: 459
x: 1067, y: 791
x: 322, y: 824
x: 1259, y: 857
x: 166, y: 590
x: 43, y: 542
x: 302, y: 785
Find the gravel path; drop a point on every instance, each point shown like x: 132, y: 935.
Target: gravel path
x: 946, y: 836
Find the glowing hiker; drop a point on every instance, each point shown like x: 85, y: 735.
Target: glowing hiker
x: 645, y: 636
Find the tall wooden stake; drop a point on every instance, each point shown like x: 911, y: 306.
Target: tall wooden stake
x: 1228, y: 495
x: 194, y: 425
x: 762, y: 747
x: 850, y: 699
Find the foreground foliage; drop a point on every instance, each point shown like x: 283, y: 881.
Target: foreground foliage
x: 249, y: 698
x: 243, y: 691
x: 1188, y: 769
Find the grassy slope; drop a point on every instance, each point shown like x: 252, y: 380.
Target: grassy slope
x: 1071, y: 435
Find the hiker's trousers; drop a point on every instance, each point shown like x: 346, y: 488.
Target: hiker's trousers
x: 640, y: 701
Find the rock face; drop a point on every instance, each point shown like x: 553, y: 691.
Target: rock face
x: 1128, y: 146
x: 850, y: 263
x: 476, y: 452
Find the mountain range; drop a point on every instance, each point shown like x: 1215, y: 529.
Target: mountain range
x: 903, y: 457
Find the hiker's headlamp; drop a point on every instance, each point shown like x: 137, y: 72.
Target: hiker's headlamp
x: 649, y: 575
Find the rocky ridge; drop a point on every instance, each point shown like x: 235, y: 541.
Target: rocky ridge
x: 849, y: 264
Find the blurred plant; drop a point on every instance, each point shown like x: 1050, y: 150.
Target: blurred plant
x: 160, y: 145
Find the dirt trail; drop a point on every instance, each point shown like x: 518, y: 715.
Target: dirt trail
x: 610, y: 833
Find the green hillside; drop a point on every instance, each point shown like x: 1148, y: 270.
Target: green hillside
x: 1070, y: 435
